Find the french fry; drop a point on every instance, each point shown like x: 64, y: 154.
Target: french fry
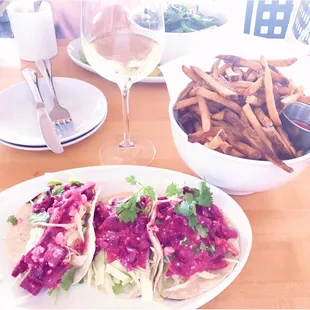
x: 228, y: 128
x: 226, y: 84
x: 191, y: 74
x: 252, y: 76
x: 222, y: 69
x: 278, y: 77
x: 239, y: 71
x: 219, y: 116
x: 205, y: 114
x: 192, y: 92
x: 278, y: 144
x: 253, y: 100
x: 197, y: 126
x: 263, y: 118
x: 244, y: 119
x: 214, y: 84
x: 285, y: 90
x: 189, y: 117
x: 185, y: 103
x: 226, y: 148
x: 232, y: 76
x: 241, y: 62
x: 280, y: 62
x: 247, y: 150
x: 201, y: 136
x: 294, y: 97
x: 242, y: 84
x: 304, y: 99
x: 256, y: 141
x: 195, y: 109
x: 184, y: 93
x: 253, y: 88
x: 217, y: 98
x: 215, y: 68
x: 300, y: 153
x: 287, y: 141
x: 216, y: 141
x: 270, y: 102
x: 256, y: 125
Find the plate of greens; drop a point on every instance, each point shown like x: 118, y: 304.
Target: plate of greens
x: 75, y: 52
x: 180, y: 18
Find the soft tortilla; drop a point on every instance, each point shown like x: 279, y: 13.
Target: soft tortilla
x: 166, y: 288
x: 19, y: 234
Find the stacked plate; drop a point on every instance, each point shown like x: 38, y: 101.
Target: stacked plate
x: 18, y: 118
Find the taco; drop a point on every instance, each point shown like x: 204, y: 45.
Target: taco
x: 50, y: 245
x: 198, y: 245
x: 125, y: 263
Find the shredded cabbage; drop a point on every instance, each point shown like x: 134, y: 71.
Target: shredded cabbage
x: 78, y: 222
x: 207, y: 275
x: 146, y: 284
x: 99, y: 266
x: 35, y: 236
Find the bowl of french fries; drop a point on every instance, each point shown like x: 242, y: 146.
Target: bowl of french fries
x: 227, y: 127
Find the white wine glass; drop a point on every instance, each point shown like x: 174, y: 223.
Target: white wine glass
x: 122, y: 41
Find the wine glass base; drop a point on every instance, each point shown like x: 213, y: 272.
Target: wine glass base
x: 142, y: 153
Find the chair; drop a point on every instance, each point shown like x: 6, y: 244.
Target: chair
x: 268, y: 18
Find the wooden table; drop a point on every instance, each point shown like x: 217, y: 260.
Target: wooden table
x: 277, y: 274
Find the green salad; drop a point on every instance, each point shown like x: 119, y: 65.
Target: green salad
x: 180, y: 18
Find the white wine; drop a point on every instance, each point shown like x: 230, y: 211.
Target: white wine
x: 123, y: 57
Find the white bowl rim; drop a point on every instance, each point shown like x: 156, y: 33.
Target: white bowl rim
x: 232, y: 158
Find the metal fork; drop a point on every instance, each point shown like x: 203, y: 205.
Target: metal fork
x: 59, y: 115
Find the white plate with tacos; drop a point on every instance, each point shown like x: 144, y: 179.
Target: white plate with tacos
x: 116, y: 237
x: 75, y: 52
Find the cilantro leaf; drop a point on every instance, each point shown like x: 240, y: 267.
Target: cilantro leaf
x: 12, y: 219
x: 184, y: 241
x: 205, y: 198
x: 174, y: 190
x: 77, y: 183
x: 211, y: 249
x: 67, y: 279
x: 57, y: 190
x: 189, y: 197
x: 131, y: 180
x: 117, y: 288
x: 149, y: 191
x: 192, y: 221
x: 39, y: 217
x: 202, y: 231
x: 203, y: 247
x: 127, y: 210
x: 54, y: 183
x: 184, y: 208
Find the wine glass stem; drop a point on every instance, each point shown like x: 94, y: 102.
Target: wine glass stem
x: 125, y: 105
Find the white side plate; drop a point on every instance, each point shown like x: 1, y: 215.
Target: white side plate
x: 111, y: 179
x: 45, y: 148
x: 18, y: 119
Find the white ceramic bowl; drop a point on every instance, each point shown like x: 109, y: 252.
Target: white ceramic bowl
x: 236, y: 176
x: 179, y: 44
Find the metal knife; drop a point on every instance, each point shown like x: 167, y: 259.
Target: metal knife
x: 48, y: 130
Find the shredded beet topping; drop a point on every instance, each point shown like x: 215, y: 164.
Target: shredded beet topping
x: 186, y: 250
x: 46, y: 263
x: 128, y: 242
